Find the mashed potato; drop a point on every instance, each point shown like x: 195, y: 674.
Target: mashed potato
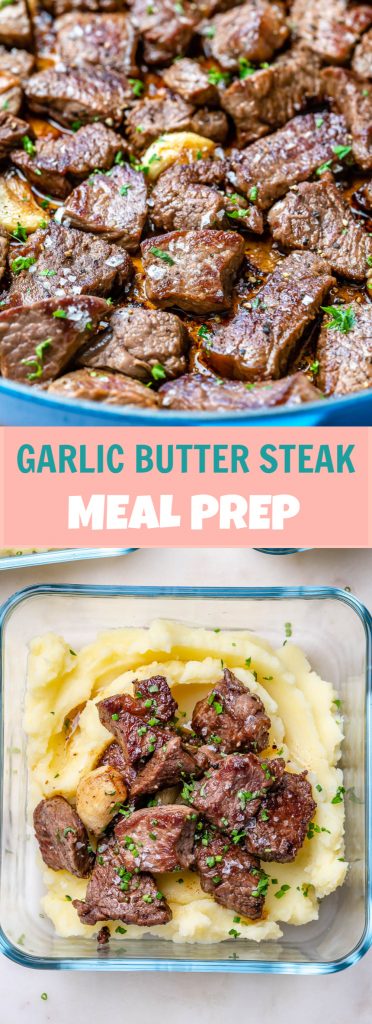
x: 305, y: 728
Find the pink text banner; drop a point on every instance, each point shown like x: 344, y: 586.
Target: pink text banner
x: 186, y: 487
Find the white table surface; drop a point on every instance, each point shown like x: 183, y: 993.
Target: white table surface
x: 180, y: 998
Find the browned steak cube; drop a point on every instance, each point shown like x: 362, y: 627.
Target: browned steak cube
x: 157, y: 839
x: 12, y: 131
x: 190, y: 196
x: 114, y: 893
x: 364, y: 196
x: 345, y: 349
x: 38, y: 341
x: 102, y: 386
x: 10, y: 93
x: 150, y: 118
x: 109, y: 40
x: 112, y: 205
x: 232, y: 717
x: 272, y: 165
x: 80, y: 94
x: 57, y: 164
x: 232, y: 793
x: 231, y: 876
x: 279, y: 829
x: 62, y: 837
x: 61, y: 262
x: 362, y: 59
x: 154, y: 696
x: 190, y: 80
x: 128, y: 720
x: 166, y: 29
x: 194, y: 270
x: 148, y: 344
x: 253, y: 31
x: 271, y: 96
x: 17, y: 62
x: 315, y: 216
x: 199, y: 391
x: 169, y: 764
x: 114, y: 757
x: 354, y: 102
x: 330, y: 29
x: 15, y: 25
x: 260, y: 343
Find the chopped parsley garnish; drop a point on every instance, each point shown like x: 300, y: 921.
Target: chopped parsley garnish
x: 262, y: 885
x: 69, y: 829
x: 341, y: 151
x: 119, y: 159
x: 115, y: 717
x: 147, y: 898
x: 22, y: 263
x: 246, y: 795
x: 245, y: 68
x: 120, y: 930
x: 3, y: 3
x: 339, y: 795
x: 76, y: 125
x: 215, y: 77
x: 288, y: 629
x: 253, y: 193
x: 342, y: 318
x: 36, y: 362
x: 248, y: 662
x: 20, y: 233
x: 324, y: 167
x: 209, y: 32
x: 216, y: 879
x: 313, y: 828
x: 47, y: 273
x: 319, y: 787
x: 281, y: 892
x: 28, y: 145
x: 162, y: 255
x: 233, y: 932
x: 264, y: 815
x: 319, y: 121
x: 158, y: 372
x: 215, y: 703
x: 137, y: 86
x: 68, y: 898
x: 314, y: 366
x: 60, y: 314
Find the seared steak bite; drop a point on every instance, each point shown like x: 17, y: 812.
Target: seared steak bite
x: 190, y: 80
x: 114, y: 757
x: 17, y: 62
x: 114, y: 893
x: 332, y: 29
x: 62, y: 837
x: 364, y: 196
x: 106, y: 39
x: 354, y: 102
x: 345, y: 349
x: 62, y: 262
x: 253, y: 31
x: 15, y: 25
x: 38, y: 341
x: 148, y: 344
x: 168, y: 765
x: 194, y: 270
x: 102, y: 386
x: 112, y: 205
x: 12, y: 131
x: 79, y: 94
x: 150, y: 118
x: 362, y: 59
x: 271, y: 96
x: 58, y: 7
x: 165, y: 29
x: 154, y: 696
x: 190, y: 196
x: 232, y: 793
x: 157, y: 839
x: 128, y: 720
x: 233, y: 714
x: 261, y: 342
x: 315, y: 216
x: 279, y: 829
x: 199, y: 391
x: 231, y: 876
x: 56, y: 164
x: 272, y: 165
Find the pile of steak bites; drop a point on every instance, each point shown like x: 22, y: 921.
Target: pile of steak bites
x: 186, y: 200
x: 199, y: 798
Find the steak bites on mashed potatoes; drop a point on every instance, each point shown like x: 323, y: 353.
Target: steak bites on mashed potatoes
x: 183, y: 782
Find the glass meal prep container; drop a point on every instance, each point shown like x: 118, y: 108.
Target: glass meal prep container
x: 333, y: 629
x: 20, y: 560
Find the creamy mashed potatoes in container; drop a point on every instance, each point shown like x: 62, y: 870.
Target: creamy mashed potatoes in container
x: 66, y: 739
